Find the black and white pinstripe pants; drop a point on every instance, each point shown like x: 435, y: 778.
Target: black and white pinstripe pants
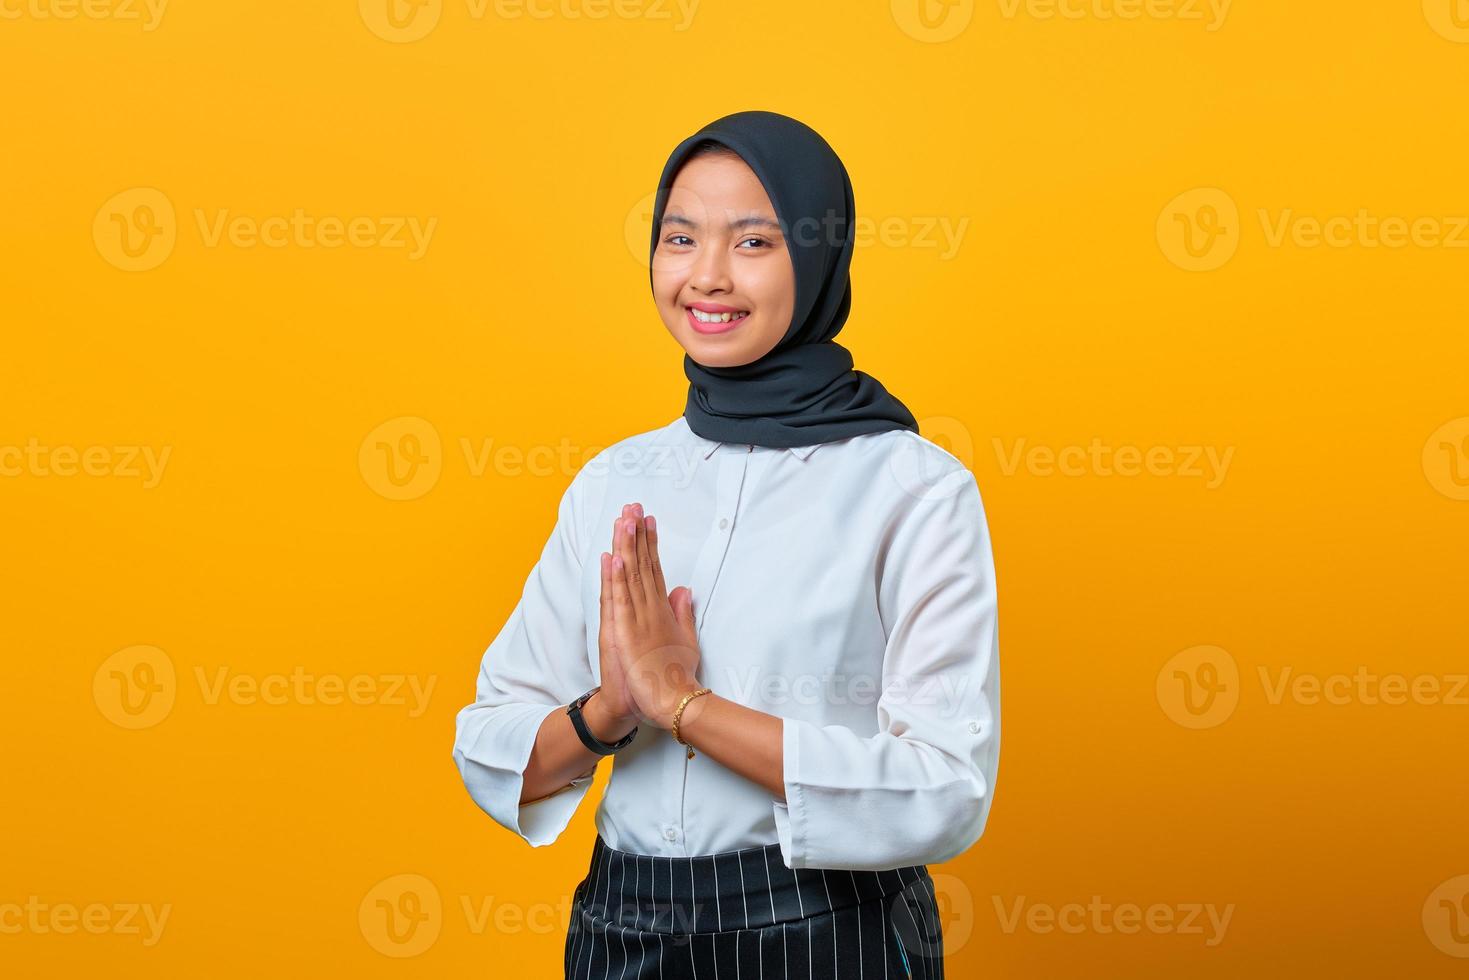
x: 744, y: 914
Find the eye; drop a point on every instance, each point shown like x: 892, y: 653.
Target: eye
x: 670, y: 240
x: 757, y: 240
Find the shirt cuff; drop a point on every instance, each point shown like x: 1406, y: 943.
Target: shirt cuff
x: 789, y: 823
x: 495, y: 776
x: 893, y: 805
x: 542, y: 821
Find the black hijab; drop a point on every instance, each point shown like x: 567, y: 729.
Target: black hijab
x: 805, y: 390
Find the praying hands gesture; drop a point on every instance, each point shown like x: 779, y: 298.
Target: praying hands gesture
x: 648, y: 644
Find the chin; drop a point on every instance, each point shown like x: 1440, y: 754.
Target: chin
x: 711, y: 355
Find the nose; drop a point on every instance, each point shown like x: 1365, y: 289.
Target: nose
x: 710, y: 271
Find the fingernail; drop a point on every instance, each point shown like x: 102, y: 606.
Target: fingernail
x: 652, y: 524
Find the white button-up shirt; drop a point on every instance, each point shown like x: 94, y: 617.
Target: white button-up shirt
x: 846, y: 587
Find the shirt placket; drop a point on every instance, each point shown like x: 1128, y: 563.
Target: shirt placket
x: 734, y: 464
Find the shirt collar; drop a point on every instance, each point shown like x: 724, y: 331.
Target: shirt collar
x: 708, y: 447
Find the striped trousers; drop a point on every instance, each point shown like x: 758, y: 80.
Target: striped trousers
x: 744, y: 914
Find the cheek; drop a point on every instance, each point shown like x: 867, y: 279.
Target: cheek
x: 769, y: 287
x: 666, y: 286
x: 773, y: 293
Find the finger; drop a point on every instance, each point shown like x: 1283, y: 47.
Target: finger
x: 660, y: 588
x: 633, y: 566
x: 606, y: 601
x: 617, y: 525
x: 683, y: 611
x: 624, y: 544
x: 623, y: 611
x: 645, y: 565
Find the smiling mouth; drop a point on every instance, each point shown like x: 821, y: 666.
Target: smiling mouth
x: 716, y: 321
x: 729, y: 317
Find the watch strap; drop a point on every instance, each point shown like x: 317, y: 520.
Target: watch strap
x: 579, y: 722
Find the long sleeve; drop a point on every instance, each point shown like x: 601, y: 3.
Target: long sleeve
x: 919, y: 791
x: 536, y: 665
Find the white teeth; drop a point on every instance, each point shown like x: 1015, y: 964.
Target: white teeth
x: 703, y: 317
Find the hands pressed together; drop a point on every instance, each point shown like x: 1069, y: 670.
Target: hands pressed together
x: 649, y: 646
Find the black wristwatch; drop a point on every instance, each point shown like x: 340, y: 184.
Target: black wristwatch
x: 585, y: 734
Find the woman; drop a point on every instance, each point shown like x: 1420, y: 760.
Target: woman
x: 812, y: 717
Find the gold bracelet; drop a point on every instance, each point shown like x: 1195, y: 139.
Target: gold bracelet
x: 678, y: 713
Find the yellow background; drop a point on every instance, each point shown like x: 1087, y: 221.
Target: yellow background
x: 1334, y: 541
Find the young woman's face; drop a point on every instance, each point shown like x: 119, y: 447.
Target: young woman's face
x: 721, y: 258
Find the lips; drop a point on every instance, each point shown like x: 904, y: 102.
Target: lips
x: 715, y: 317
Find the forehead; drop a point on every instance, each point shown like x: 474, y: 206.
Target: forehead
x: 719, y: 187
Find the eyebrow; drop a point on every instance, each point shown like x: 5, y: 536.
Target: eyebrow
x: 751, y: 221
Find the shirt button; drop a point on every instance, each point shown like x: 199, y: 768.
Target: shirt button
x: 974, y: 727
x: 670, y: 834
x: 723, y: 523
